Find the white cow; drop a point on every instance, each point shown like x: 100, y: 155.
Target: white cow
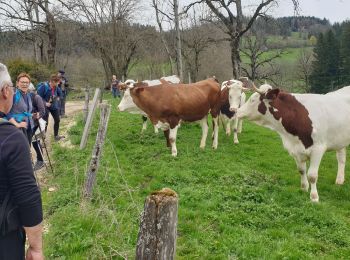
x: 238, y: 97
x: 309, y: 125
x: 128, y: 105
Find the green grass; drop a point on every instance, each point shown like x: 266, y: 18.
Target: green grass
x: 238, y: 202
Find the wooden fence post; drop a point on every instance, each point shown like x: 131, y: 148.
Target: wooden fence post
x: 158, y: 227
x: 97, y: 151
x: 101, y: 90
x: 86, y: 104
x: 89, y: 120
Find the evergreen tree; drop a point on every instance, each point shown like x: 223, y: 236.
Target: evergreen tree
x: 325, y: 74
x: 345, y: 54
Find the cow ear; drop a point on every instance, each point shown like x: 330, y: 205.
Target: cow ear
x: 272, y: 94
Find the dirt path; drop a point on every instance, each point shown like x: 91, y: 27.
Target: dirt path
x: 72, y: 107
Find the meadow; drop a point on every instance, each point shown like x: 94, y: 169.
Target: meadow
x: 237, y: 202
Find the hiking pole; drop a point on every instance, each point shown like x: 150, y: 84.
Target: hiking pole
x: 40, y: 149
x: 45, y: 147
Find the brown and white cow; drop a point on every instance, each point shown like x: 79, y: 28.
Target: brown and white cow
x: 128, y: 105
x: 167, y: 105
x: 309, y: 125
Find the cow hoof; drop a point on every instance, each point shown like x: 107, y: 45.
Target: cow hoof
x: 202, y: 147
x: 228, y: 133
x: 236, y: 142
x: 174, y: 154
x: 314, y: 197
x: 339, y: 181
x: 215, y: 147
x: 305, y: 187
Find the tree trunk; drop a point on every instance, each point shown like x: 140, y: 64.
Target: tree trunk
x: 178, y: 41
x: 52, y: 34
x: 235, y: 58
x: 157, y: 233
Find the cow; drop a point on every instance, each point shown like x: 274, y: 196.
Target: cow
x: 167, y: 105
x: 308, y: 124
x: 239, y: 97
x: 128, y: 105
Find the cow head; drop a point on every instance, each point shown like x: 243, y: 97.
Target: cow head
x: 127, y: 104
x: 235, y: 87
x: 255, y: 108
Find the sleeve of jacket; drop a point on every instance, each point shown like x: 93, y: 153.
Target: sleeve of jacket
x: 24, y: 190
x: 40, y: 105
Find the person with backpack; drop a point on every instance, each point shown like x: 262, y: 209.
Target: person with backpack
x: 51, y: 95
x: 63, y: 85
x: 21, y: 111
x: 38, y: 112
x: 21, y: 212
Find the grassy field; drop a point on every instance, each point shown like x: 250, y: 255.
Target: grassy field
x: 238, y: 202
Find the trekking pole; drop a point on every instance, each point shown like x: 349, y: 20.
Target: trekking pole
x: 45, y: 147
x: 41, y: 150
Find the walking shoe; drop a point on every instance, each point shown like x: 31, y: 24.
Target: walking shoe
x: 38, y: 165
x: 58, y: 137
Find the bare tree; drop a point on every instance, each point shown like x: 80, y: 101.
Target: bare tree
x: 168, y: 12
x: 304, y: 67
x: 235, y: 24
x: 114, y: 40
x: 261, y: 58
x: 35, y: 16
x: 159, y: 19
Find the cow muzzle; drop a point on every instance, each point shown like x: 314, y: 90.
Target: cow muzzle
x: 233, y: 109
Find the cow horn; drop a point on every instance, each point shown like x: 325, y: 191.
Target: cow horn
x: 257, y: 90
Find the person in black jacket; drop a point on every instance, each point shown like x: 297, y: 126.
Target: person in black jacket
x: 17, y: 177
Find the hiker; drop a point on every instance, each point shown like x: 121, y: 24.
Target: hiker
x: 63, y: 85
x: 37, y: 113
x: 20, y: 200
x: 114, y: 87
x: 51, y: 95
x: 20, y: 114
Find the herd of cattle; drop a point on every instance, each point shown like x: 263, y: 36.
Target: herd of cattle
x: 309, y: 124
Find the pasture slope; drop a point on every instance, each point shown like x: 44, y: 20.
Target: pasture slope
x: 239, y: 202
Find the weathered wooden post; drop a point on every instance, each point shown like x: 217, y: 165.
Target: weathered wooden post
x: 86, y: 104
x: 89, y: 120
x: 158, y: 227
x: 101, y: 90
x: 97, y: 151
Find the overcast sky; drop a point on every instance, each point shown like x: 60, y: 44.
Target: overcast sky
x: 333, y: 10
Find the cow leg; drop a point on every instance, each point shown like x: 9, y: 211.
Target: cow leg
x: 315, y: 160
x: 204, y: 125
x: 156, y: 130
x: 302, y: 169
x: 166, y: 134
x: 341, y: 157
x: 235, y: 130
x: 216, y: 132
x: 172, y: 139
x: 240, y: 123
x: 144, y: 124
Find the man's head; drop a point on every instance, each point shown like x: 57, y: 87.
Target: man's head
x: 6, y: 90
x: 54, y: 80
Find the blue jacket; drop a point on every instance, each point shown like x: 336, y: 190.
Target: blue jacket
x: 45, y: 92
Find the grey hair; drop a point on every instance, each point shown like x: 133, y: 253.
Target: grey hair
x: 5, y: 79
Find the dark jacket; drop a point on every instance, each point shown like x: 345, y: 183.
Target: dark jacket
x: 49, y: 95
x: 16, y: 174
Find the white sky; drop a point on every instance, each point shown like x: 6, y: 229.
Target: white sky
x: 333, y: 10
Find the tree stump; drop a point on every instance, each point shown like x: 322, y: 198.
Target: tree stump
x: 158, y: 227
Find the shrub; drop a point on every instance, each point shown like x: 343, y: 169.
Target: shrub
x: 38, y: 72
